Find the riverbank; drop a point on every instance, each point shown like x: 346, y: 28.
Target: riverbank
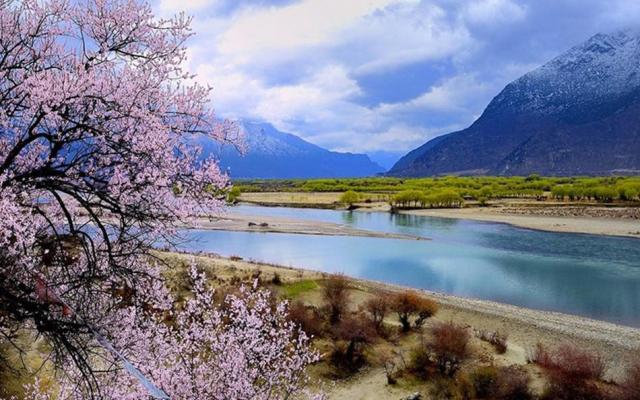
x: 594, y: 219
x: 619, y: 345
x: 529, y: 219
x: 271, y: 224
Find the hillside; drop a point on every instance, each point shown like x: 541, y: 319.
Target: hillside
x: 579, y: 114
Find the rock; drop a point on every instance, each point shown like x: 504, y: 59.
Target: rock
x: 415, y: 396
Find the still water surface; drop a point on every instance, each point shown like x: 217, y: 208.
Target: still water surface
x: 593, y: 276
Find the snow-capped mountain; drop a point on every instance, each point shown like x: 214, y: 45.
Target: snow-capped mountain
x: 577, y: 114
x: 274, y: 154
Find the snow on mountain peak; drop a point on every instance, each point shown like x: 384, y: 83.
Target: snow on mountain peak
x: 602, y: 66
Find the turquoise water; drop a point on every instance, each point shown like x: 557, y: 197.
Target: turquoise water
x: 593, y: 276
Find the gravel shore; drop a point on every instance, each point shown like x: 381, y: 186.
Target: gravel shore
x: 559, y: 219
x: 249, y: 223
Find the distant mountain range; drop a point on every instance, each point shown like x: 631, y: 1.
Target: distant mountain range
x: 274, y: 154
x: 579, y: 114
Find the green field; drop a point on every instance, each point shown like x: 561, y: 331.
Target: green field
x: 599, y: 189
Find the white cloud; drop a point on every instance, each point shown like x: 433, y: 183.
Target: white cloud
x: 303, y: 24
x: 396, y: 138
x: 488, y: 12
x: 171, y: 7
x: 455, y: 94
x: 404, y: 34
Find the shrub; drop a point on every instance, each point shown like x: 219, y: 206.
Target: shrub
x: 377, y: 308
x: 409, y: 303
x: 233, y: 195
x: 572, y: 372
x: 349, y: 198
x: 631, y: 385
x: 276, y: 280
x: 391, y: 364
x: 448, y: 347
x: 497, y: 339
x: 497, y: 383
x: 483, y: 382
x: 444, y: 389
x: 513, y: 384
x: 420, y: 362
x: 352, y: 335
x: 307, y: 318
x: 336, y: 296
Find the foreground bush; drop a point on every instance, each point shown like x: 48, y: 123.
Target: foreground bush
x: 409, y: 304
x: 631, y: 385
x: 307, y: 318
x: 572, y: 373
x: 377, y: 309
x: 352, y: 335
x: 449, y: 347
x: 336, y: 296
x: 443, y: 353
x: 497, y: 383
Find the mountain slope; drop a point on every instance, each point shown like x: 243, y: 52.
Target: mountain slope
x: 274, y: 154
x: 576, y: 115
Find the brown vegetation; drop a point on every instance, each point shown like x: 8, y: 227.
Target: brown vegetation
x: 496, y: 383
x: 449, y: 347
x: 352, y: 335
x: 377, y: 308
x: 336, y: 296
x: 409, y: 303
x: 307, y: 318
x: 572, y: 373
x: 631, y: 385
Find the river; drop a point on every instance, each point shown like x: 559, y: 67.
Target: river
x: 587, y: 275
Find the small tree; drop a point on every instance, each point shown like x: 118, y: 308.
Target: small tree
x: 448, y: 347
x: 349, y: 198
x: 377, y: 308
x: 336, y: 296
x: 409, y: 303
x: 356, y: 332
x: 233, y: 195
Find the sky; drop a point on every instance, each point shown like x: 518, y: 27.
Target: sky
x: 378, y: 76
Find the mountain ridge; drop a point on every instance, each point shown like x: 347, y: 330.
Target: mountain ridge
x: 271, y: 153
x: 576, y: 114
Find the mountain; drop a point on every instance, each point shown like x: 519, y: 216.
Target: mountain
x: 579, y: 114
x: 274, y: 154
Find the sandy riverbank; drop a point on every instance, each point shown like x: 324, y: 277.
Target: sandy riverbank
x: 590, y: 225
x: 249, y: 223
x: 619, y: 345
x: 547, y: 216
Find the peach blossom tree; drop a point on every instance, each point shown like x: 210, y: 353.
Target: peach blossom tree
x: 96, y: 119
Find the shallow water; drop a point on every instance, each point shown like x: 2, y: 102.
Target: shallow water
x: 593, y: 276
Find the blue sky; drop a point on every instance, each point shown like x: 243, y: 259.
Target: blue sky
x: 378, y: 76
